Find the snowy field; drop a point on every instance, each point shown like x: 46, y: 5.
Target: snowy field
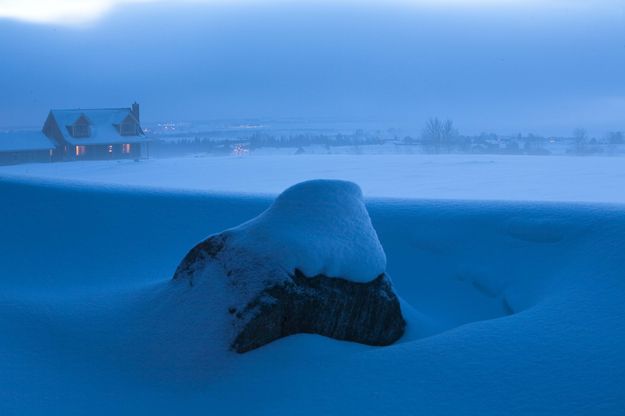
x: 481, y: 177
x: 513, y: 307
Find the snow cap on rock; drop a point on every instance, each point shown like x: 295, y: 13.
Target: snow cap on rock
x: 318, y: 227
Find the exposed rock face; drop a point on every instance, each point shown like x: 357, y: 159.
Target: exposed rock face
x: 368, y: 313
x: 255, y: 268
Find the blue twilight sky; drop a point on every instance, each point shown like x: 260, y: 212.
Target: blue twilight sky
x: 505, y: 66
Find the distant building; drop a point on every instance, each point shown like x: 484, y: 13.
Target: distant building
x: 102, y: 133
x: 25, y: 147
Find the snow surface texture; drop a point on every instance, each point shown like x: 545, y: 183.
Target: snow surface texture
x: 292, y: 270
x: 522, y: 302
x: 318, y: 227
x: 482, y: 177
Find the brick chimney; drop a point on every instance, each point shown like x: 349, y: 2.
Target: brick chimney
x: 135, y: 110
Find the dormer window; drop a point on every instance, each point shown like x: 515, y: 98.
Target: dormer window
x: 81, y: 130
x: 128, y: 129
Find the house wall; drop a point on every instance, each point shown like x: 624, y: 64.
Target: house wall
x: 136, y: 150
x: 103, y: 152
x: 51, y: 130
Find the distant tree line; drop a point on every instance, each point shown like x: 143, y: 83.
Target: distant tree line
x: 441, y: 136
x: 203, y: 144
x: 436, y: 136
x: 357, y: 138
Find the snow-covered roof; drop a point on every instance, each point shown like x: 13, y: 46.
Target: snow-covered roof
x: 24, y: 141
x: 102, y: 122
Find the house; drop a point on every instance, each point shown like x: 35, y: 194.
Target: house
x: 24, y: 147
x: 102, y: 133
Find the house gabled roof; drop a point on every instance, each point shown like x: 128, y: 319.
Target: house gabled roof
x: 103, y: 124
x: 22, y: 141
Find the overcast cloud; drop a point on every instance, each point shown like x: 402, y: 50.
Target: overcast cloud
x: 507, y: 67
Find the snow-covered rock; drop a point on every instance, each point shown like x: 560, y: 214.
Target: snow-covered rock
x: 311, y: 263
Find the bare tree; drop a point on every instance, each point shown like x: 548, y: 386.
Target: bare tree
x: 580, y: 137
x: 614, y: 139
x: 439, y: 134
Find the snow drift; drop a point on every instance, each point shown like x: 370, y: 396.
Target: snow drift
x: 318, y: 227
x: 311, y: 263
x: 522, y: 302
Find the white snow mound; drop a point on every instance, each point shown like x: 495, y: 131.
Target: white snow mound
x: 318, y: 227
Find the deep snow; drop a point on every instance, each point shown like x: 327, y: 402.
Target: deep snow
x: 522, y: 302
x: 249, y: 276
x: 318, y: 227
x: 481, y: 177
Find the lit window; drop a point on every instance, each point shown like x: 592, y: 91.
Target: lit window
x: 81, y: 150
x: 126, y: 148
x: 110, y: 149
